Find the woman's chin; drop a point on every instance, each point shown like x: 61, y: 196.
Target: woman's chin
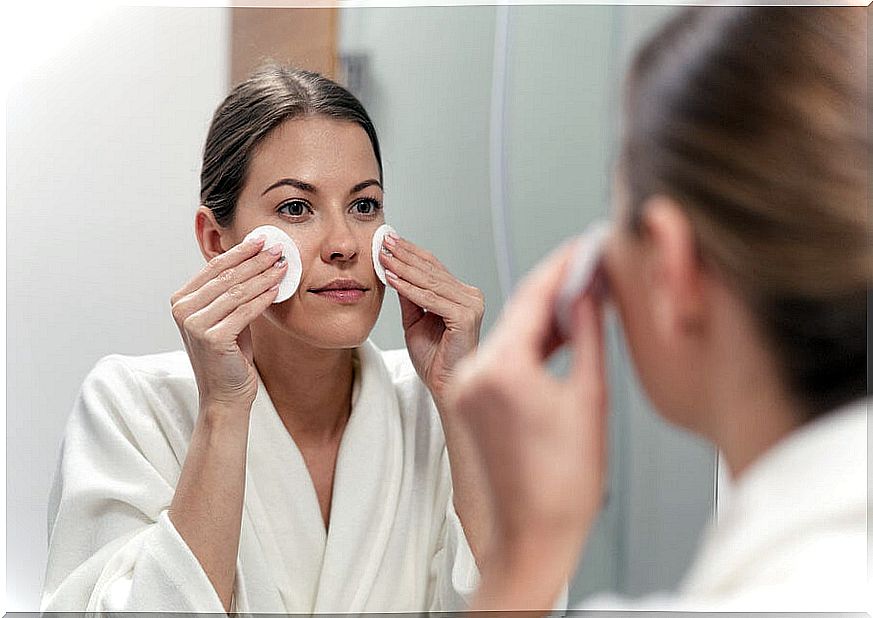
x: 341, y: 342
x: 324, y: 328
x: 335, y: 335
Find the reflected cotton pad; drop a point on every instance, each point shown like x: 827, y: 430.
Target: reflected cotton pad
x: 582, y: 275
x: 291, y: 280
x: 378, y: 237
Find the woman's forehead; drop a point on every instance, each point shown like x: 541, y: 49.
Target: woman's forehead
x: 315, y: 150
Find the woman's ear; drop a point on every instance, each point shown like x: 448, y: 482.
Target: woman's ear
x: 674, y: 270
x: 210, y: 236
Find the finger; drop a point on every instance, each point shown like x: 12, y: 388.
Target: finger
x: 230, y: 277
x: 587, y: 380
x: 527, y: 320
x: 235, y: 296
x: 411, y: 253
x: 244, y: 341
x: 430, y: 277
x: 588, y: 373
x: 405, y: 252
x: 232, y: 257
x: 427, y: 262
x: 232, y: 326
x: 410, y: 312
x: 589, y: 354
x: 425, y: 298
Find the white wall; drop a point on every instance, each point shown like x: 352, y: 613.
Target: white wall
x: 103, y: 154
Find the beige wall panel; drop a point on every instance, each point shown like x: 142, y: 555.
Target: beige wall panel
x: 304, y: 37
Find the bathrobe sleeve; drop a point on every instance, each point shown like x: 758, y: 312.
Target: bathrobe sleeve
x: 454, y: 573
x: 112, y: 546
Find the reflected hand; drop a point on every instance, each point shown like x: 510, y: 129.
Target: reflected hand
x: 442, y: 316
x: 213, y: 312
x: 541, y: 438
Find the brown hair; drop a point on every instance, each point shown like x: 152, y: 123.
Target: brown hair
x: 754, y: 120
x: 251, y: 111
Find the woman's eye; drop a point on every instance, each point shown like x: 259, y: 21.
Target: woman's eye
x: 294, y: 208
x: 366, y: 207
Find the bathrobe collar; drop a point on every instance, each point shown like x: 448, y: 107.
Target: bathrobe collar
x: 312, y: 568
x: 815, y: 477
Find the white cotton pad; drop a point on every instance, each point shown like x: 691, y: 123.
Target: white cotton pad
x: 581, y: 273
x: 378, y: 236
x: 291, y: 280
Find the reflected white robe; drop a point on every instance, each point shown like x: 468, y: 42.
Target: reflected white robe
x: 793, y: 535
x: 394, y: 541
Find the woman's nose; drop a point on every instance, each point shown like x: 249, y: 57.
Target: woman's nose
x: 340, y: 245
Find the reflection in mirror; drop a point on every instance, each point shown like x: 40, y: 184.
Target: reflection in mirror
x: 497, y: 129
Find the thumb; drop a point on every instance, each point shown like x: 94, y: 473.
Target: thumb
x: 244, y: 341
x: 409, y: 311
x: 588, y: 372
x: 587, y: 378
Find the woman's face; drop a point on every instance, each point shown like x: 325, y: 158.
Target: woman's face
x: 318, y: 180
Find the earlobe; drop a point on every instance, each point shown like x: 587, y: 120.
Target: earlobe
x: 209, y: 233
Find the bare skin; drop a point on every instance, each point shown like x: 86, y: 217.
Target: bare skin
x: 698, y: 353
x: 317, y: 179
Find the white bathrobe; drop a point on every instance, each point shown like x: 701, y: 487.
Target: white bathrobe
x: 394, y: 542
x: 793, y: 534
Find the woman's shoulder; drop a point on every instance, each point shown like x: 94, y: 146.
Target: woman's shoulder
x: 146, y: 368
x: 399, y: 365
x: 150, y: 399
x: 404, y: 378
x: 412, y: 394
x: 135, y: 384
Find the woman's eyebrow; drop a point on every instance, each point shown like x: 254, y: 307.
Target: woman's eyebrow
x: 293, y: 182
x: 363, y: 185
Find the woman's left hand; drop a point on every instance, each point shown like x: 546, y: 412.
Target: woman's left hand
x: 442, y: 316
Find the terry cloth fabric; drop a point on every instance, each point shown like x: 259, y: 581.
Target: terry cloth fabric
x: 394, y: 543
x: 793, y: 534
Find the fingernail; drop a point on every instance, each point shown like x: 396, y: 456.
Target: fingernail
x: 387, y: 251
x: 276, y: 249
x: 390, y: 274
x: 281, y: 262
x: 390, y: 239
x: 257, y: 240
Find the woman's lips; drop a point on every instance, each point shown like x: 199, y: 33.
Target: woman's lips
x: 342, y: 296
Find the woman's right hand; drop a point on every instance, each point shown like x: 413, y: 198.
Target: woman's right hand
x: 213, y: 312
x: 542, y: 439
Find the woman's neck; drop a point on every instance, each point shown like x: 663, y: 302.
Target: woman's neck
x: 748, y: 407
x: 311, y: 388
x: 753, y: 425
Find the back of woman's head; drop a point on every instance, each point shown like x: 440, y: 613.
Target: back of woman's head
x: 252, y: 110
x: 754, y: 121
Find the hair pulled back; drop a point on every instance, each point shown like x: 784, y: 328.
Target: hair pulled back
x: 754, y: 121
x: 252, y: 110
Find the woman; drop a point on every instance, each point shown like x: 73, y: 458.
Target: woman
x: 740, y: 265
x: 282, y: 463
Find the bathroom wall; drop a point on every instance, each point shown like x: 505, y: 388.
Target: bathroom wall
x: 103, y: 152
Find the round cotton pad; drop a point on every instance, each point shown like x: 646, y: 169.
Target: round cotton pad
x: 581, y: 273
x: 378, y: 236
x: 291, y: 280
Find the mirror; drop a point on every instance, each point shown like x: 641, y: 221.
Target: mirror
x: 498, y: 127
